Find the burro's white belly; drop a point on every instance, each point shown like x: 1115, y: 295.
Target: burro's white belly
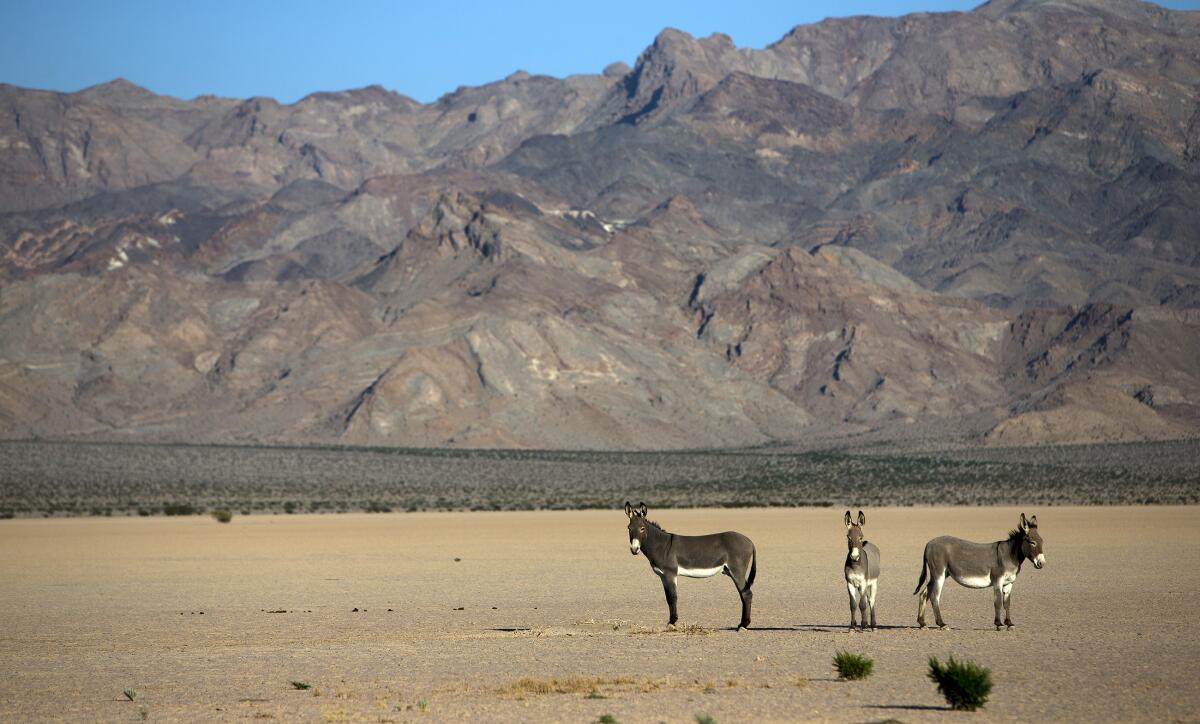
x: 975, y: 581
x: 700, y: 572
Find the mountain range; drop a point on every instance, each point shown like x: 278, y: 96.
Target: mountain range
x: 980, y: 225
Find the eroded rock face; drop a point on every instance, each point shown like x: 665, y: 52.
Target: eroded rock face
x: 984, y: 216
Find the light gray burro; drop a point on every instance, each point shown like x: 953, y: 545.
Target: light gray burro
x: 978, y: 565
x: 694, y: 556
x: 862, y: 571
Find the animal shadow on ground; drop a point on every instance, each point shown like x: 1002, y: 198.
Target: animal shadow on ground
x: 758, y: 628
x: 910, y: 707
x: 838, y: 627
x: 509, y: 629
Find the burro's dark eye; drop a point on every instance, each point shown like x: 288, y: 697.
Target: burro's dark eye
x: 1033, y: 543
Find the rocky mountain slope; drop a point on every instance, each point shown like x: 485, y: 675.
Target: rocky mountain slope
x: 985, y: 222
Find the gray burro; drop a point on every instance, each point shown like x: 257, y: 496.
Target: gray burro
x: 978, y: 565
x: 694, y: 556
x: 862, y: 570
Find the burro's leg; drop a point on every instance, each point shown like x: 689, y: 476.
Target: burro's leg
x: 862, y: 608
x: 740, y: 575
x: 668, y: 581
x: 871, y: 590
x: 853, y: 603
x: 936, y: 583
x: 747, y: 598
x: 1008, y: 605
x: 999, y: 591
x: 922, y: 599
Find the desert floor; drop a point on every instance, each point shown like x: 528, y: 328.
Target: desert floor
x: 210, y: 622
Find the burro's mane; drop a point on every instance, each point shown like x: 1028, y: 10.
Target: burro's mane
x: 1016, y: 535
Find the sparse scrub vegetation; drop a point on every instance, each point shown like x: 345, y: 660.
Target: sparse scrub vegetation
x: 130, y: 694
x: 72, y: 479
x: 301, y: 685
x: 703, y: 718
x: 852, y: 667
x: 222, y: 515
x: 180, y: 509
x: 535, y: 686
x: 964, y: 684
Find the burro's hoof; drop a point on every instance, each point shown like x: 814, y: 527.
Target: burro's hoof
x: 1009, y: 624
x: 998, y: 627
x: 670, y: 627
x: 920, y: 624
x: 943, y: 626
x: 743, y: 627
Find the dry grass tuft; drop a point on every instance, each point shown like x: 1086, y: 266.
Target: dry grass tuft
x: 534, y: 686
x: 689, y: 629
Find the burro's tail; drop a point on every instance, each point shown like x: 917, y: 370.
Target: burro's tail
x: 753, y: 568
x: 924, y: 573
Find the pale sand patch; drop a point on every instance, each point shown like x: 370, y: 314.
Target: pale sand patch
x: 90, y: 607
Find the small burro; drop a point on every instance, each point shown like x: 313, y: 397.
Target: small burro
x: 978, y: 565
x: 862, y: 571
x: 694, y: 556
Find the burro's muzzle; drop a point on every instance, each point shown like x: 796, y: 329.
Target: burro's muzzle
x: 854, y: 554
x: 1040, y: 560
x: 634, y: 546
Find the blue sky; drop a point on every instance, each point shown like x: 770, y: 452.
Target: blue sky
x: 422, y: 49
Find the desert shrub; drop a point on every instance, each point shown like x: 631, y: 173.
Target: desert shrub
x: 964, y: 684
x: 222, y: 515
x: 606, y: 719
x: 300, y: 685
x: 130, y: 694
x: 852, y: 666
x: 179, y: 509
x: 704, y: 718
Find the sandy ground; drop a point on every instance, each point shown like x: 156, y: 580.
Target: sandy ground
x: 184, y: 612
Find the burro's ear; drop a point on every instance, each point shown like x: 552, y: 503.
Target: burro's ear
x: 862, y: 518
x: 1033, y: 522
x: 642, y: 510
x: 1024, y: 523
x: 628, y: 510
x: 847, y: 519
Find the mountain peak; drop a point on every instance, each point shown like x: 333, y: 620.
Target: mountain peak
x: 1124, y: 8
x: 117, y: 89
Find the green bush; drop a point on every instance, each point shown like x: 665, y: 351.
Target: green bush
x: 852, y: 666
x: 300, y: 685
x: 222, y: 516
x: 965, y: 684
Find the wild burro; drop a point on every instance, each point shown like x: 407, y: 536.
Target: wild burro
x: 693, y: 556
x: 862, y: 571
x: 979, y: 565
